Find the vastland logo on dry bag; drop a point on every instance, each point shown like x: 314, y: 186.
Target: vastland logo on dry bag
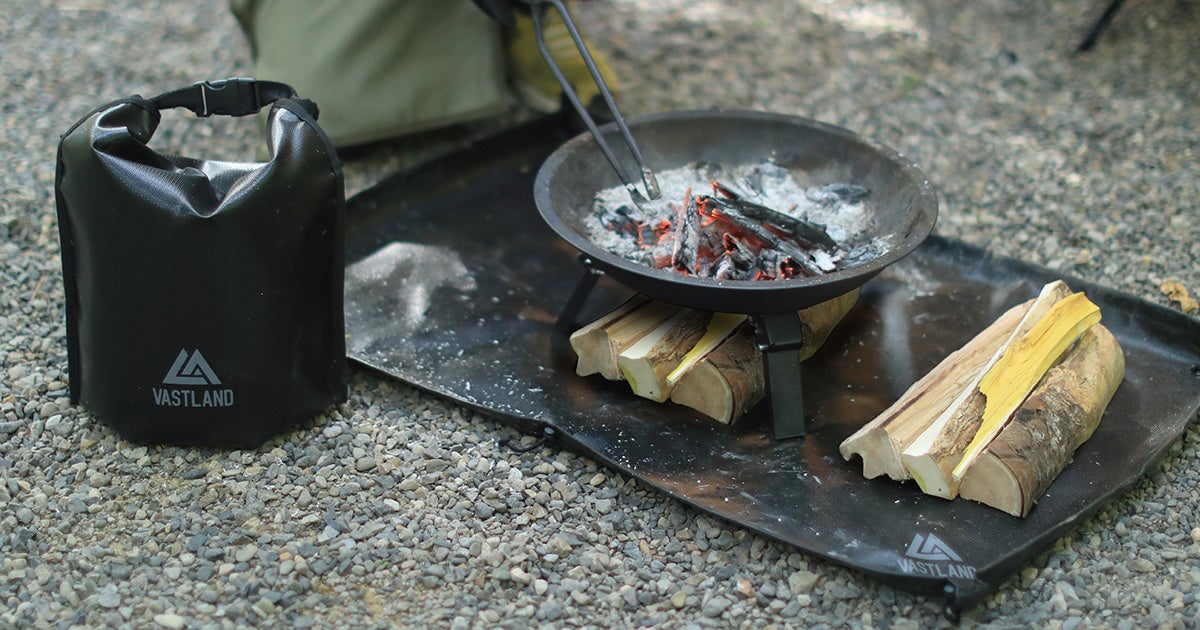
x: 201, y: 381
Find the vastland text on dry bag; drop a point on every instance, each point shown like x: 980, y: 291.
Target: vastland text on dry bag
x: 204, y: 298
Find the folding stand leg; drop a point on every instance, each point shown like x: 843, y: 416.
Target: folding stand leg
x: 566, y: 323
x: 779, y: 337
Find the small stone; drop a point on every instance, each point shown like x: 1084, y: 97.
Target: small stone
x: 679, y: 599
x: 364, y: 464
x: 1196, y: 534
x: 1142, y: 565
x: 629, y: 594
x: 195, y: 543
x: 540, y: 586
x: 801, y: 582
x: 715, y: 606
x: 109, y: 597
x: 195, y: 473
x: 327, y: 534
x: 169, y: 620
x: 56, y: 425
x: 519, y: 575
x: 246, y: 553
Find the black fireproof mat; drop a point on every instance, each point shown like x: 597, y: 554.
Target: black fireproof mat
x: 454, y: 283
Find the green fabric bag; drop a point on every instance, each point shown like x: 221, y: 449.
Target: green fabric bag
x: 380, y: 68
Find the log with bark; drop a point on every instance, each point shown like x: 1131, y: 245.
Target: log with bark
x: 966, y: 426
x: 707, y: 361
x: 931, y: 458
x: 1062, y: 413
x: 880, y: 442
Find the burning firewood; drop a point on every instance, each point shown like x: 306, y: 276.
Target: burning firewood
x: 707, y: 361
x: 1045, y: 368
x: 765, y: 234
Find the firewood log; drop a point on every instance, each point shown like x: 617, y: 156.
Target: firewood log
x: 1023, y: 366
x: 727, y: 381
x: 1019, y: 464
x: 646, y: 363
x: 931, y: 458
x: 598, y: 343
x: 880, y: 442
x: 707, y: 361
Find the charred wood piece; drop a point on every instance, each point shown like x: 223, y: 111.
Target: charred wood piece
x: 812, y: 234
x: 772, y: 241
x: 687, y: 228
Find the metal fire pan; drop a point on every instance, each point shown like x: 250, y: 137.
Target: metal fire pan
x: 902, y: 200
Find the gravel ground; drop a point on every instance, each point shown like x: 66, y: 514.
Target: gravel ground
x: 400, y: 509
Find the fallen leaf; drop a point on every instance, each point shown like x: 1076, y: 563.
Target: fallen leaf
x: 1177, y: 293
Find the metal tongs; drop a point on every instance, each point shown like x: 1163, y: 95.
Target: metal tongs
x: 502, y: 11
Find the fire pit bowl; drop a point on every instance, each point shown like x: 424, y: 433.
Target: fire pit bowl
x: 901, y: 200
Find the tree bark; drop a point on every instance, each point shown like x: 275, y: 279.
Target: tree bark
x: 881, y: 441
x: 933, y: 455
x: 1039, y: 441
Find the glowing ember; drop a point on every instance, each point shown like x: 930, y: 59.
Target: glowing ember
x: 752, y: 223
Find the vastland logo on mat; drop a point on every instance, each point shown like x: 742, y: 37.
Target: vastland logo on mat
x: 930, y: 555
x: 192, y: 370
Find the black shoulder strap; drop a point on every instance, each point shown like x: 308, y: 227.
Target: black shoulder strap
x: 238, y: 96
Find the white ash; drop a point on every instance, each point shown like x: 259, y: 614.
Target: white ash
x: 842, y: 209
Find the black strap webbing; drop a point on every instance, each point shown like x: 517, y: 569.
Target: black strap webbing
x: 238, y: 96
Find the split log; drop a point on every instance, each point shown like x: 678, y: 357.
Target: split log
x: 707, y: 361
x: 647, y: 362
x: 932, y: 457
x: 598, y: 343
x: 1062, y: 413
x: 1023, y: 366
x: 880, y: 442
x: 728, y: 380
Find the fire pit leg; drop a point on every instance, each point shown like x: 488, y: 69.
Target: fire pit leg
x: 566, y: 322
x: 779, y: 336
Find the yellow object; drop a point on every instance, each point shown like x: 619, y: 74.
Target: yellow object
x: 719, y: 327
x: 533, y: 78
x: 1014, y: 376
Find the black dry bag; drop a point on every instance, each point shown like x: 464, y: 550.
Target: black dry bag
x: 203, y: 298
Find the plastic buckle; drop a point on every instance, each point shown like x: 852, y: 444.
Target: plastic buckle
x: 232, y: 97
